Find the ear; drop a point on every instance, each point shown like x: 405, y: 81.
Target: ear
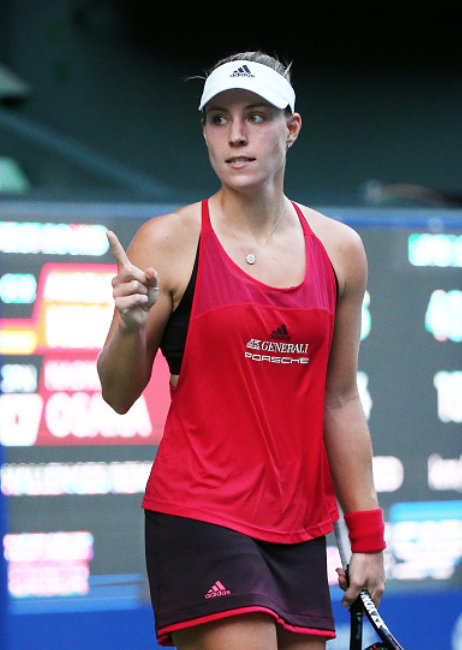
x: 294, y: 125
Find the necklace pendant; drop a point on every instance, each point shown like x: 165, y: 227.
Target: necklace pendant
x: 250, y: 258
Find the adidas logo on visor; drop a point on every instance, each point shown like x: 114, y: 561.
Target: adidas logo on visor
x: 242, y: 72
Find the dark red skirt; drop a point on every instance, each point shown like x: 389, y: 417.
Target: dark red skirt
x: 200, y: 572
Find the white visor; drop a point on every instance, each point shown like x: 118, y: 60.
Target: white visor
x: 255, y: 77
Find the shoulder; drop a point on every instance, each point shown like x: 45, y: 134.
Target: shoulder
x: 167, y: 240
x: 168, y: 243
x: 169, y: 232
x: 343, y: 246
x: 331, y: 232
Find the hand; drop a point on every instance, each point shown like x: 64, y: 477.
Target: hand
x: 365, y: 572
x: 135, y: 291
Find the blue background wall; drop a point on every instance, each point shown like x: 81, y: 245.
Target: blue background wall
x: 4, y: 617
x: 425, y: 621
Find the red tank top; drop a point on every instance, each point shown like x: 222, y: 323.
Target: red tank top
x: 243, y: 441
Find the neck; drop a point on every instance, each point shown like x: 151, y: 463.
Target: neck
x: 251, y: 213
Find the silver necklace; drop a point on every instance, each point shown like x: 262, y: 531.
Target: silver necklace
x: 251, y: 258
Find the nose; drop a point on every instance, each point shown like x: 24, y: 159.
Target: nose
x: 237, y: 133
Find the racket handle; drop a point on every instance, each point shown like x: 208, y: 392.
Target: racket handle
x: 341, y: 537
x: 356, y: 625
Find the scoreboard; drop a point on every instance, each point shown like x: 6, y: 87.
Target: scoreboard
x: 74, y: 471
x: 410, y: 375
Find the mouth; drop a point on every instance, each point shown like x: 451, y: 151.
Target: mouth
x: 240, y: 160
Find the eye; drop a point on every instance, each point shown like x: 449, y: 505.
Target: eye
x: 256, y: 118
x: 216, y: 118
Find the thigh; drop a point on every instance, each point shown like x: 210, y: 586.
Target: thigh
x: 253, y: 631
x: 291, y: 641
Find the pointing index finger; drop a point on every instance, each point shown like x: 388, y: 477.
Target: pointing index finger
x: 118, y: 251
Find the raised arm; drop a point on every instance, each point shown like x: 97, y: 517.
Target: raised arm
x: 142, y: 307
x: 346, y: 430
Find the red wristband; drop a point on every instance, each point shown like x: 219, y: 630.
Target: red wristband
x: 366, y: 531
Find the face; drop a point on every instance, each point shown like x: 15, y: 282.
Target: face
x: 247, y: 138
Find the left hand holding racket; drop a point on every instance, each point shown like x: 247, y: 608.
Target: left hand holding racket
x: 365, y: 571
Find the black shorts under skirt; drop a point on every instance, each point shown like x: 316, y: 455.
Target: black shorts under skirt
x: 199, y: 572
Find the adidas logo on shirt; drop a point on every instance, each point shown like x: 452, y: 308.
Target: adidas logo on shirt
x: 280, y: 333
x: 242, y: 72
x: 218, y: 589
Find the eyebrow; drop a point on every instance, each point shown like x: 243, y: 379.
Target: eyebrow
x: 247, y: 107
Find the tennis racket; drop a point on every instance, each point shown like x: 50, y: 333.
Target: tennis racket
x: 363, y: 604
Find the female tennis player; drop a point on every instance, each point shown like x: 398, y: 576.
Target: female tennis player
x: 255, y: 301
